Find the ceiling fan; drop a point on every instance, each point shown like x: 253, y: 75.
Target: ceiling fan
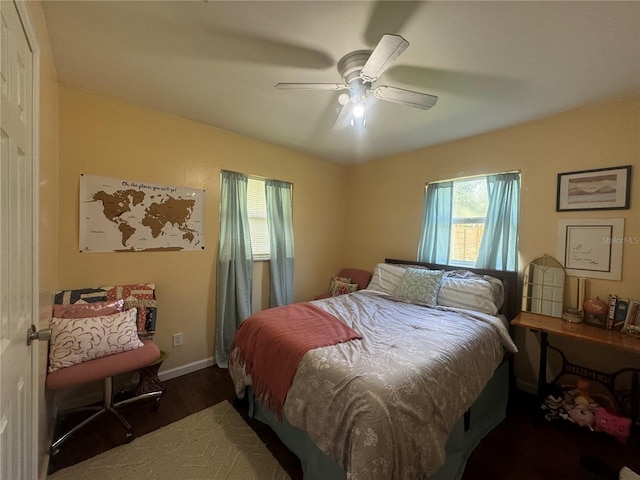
x: 359, y: 70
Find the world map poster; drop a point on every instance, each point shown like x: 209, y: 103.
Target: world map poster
x: 123, y: 215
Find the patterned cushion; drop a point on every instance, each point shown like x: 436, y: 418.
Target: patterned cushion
x: 76, y: 340
x: 340, y: 288
x: 140, y: 296
x: 419, y: 286
x: 337, y: 278
x: 84, y: 310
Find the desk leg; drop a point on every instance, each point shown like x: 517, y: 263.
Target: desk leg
x: 542, y: 368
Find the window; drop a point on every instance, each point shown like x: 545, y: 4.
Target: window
x: 257, y: 212
x: 469, y: 209
x: 472, y: 222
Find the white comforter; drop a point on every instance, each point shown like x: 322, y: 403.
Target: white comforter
x: 383, y: 406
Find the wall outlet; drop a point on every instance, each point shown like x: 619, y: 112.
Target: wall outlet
x: 177, y: 339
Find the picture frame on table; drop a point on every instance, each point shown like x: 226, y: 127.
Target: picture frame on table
x: 599, y: 189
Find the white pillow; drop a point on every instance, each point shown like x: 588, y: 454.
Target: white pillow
x: 76, y: 340
x: 386, y: 278
x: 471, y: 292
x: 498, y: 290
x: 419, y: 286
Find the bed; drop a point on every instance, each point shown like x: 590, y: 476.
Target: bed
x: 413, y: 374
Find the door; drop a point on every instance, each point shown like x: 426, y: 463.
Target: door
x: 18, y: 245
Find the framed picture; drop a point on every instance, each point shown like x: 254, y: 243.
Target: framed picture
x: 601, y: 189
x: 591, y: 248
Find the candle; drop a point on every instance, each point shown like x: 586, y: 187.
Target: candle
x: 581, y: 292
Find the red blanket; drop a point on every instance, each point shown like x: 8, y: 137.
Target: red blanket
x: 270, y: 344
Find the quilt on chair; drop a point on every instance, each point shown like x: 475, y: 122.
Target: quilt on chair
x: 140, y: 296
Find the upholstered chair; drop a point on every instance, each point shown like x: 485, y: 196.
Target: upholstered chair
x: 355, y: 276
x: 99, y: 333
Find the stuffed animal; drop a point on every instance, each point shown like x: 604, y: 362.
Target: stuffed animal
x: 579, y: 395
x: 578, y: 406
x: 552, y: 405
x: 581, y: 415
x: 616, y: 426
x: 584, y: 397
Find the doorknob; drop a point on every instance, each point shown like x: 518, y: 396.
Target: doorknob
x: 33, y: 334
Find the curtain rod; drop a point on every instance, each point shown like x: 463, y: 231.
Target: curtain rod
x: 462, y: 179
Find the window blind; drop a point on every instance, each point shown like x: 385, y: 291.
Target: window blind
x: 257, y: 211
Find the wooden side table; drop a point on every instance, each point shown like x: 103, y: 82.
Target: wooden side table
x: 556, y: 326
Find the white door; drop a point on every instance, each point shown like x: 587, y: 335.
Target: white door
x: 18, y: 245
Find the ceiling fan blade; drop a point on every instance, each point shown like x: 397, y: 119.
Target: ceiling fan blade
x: 311, y: 86
x: 405, y: 97
x: 388, y: 49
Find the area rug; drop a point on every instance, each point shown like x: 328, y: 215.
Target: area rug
x: 213, y: 444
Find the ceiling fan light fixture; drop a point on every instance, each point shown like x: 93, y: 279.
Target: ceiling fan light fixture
x: 359, y: 70
x: 359, y: 122
x: 358, y: 115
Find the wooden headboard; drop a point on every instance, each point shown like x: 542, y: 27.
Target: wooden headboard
x: 512, y: 300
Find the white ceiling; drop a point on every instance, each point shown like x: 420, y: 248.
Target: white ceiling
x: 492, y: 64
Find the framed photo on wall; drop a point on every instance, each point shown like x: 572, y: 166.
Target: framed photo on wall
x: 591, y: 247
x: 600, y: 189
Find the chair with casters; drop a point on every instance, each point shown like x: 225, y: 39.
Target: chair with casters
x: 345, y: 280
x: 81, y: 347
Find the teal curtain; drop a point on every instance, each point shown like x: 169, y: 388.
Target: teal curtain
x: 234, y: 274
x: 499, y: 244
x: 435, y: 239
x: 280, y: 222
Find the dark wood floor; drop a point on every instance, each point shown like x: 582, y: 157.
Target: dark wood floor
x: 520, y: 448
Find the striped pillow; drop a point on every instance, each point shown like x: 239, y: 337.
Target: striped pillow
x: 471, y: 292
x: 386, y: 278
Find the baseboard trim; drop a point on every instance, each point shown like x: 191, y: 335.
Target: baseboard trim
x: 526, y: 387
x: 71, y: 399
x: 184, y: 369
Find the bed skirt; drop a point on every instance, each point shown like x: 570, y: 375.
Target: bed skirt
x: 485, y: 414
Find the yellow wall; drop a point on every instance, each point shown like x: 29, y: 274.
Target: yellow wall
x: 386, y: 220
x: 104, y: 137
x: 101, y: 136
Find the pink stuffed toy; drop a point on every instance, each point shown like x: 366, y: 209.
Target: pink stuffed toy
x: 618, y: 427
x: 581, y: 415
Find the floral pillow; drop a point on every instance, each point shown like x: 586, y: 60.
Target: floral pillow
x: 336, y: 278
x: 340, y: 288
x: 341, y: 285
x: 419, y: 286
x: 76, y: 340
